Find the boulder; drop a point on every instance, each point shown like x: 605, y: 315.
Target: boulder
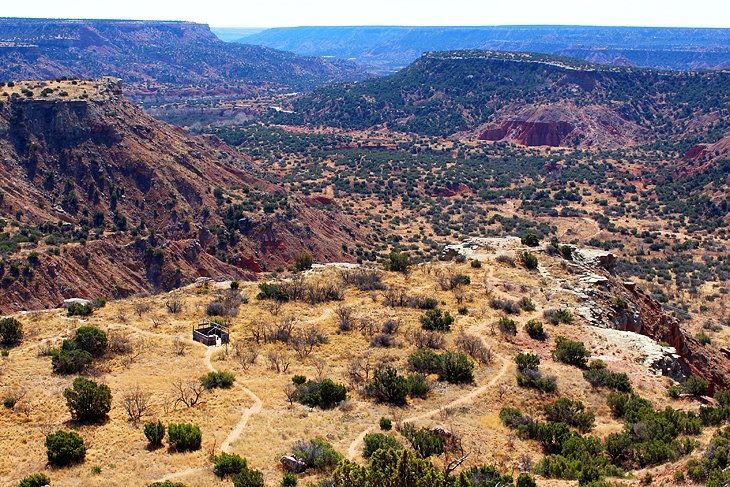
x: 83, y: 302
x: 292, y: 464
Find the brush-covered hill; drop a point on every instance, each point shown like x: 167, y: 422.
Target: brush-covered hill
x: 152, y: 56
x: 531, y: 99
x: 99, y: 199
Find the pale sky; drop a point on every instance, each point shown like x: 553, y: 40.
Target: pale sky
x: 286, y: 13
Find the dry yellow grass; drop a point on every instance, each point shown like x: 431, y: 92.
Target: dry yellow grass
x: 119, y: 447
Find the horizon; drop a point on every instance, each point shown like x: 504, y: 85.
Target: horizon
x: 222, y: 14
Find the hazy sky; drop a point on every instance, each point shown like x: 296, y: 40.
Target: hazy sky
x: 270, y: 13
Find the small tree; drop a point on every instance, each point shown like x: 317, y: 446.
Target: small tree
x: 228, y: 465
x: 695, y: 385
x: 91, y: 339
x: 11, y: 332
x: 456, y: 368
x: 529, y: 260
x: 184, y: 436
x: 535, y: 329
x: 79, y: 309
x: 387, y: 386
x: 303, y: 262
x: 437, y: 320
x: 65, y: 448
x: 378, y: 441
x: 526, y: 361
x: 154, y: 432
x: 398, y: 262
x: 507, y: 326
x: 531, y: 240
x: 570, y: 352
x: 70, y: 361
x: 87, y: 400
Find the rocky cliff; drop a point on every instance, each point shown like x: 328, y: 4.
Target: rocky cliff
x: 99, y: 199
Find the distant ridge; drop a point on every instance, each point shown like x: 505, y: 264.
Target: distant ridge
x: 155, y: 56
x: 386, y: 49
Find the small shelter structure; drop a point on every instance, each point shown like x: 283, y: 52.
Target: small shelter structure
x: 211, y: 333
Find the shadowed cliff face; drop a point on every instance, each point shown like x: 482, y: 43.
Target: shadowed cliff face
x: 166, y: 202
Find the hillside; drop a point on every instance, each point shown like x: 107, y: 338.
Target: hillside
x: 99, y: 199
x: 372, y: 327
x: 387, y: 49
x: 155, y: 58
x: 556, y: 101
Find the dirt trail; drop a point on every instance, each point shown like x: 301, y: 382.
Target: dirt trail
x: 237, y: 430
x: 355, y: 448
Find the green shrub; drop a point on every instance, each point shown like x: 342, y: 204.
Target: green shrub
x: 507, y: 326
x: 65, y: 448
x: 425, y: 361
x: 299, y: 380
x: 184, y: 436
x: 79, y: 309
x: 248, y: 478
x: 303, y: 262
x: 436, y: 320
x: 35, y: 480
x: 386, y: 468
x: 272, y: 291
x: 526, y: 304
x: 456, y: 368
x: 87, y: 400
x: 70, y: 361
x: 9, y: 402
x: 167, y: 483
x: 695, y: 385
x: 570, y: 412
x: 599, y: 376
x: 485, y: 475
x: 398, y: 262
x: 529, y: 260
x: 722, y: 397
x: 570, y: 352
x: 235, y: 285
x: 557, y: 316
x: 220, y: 380
x: 386, y: 424
x: 11, y: 332
x: 533, y: 379
x: 228, y: 465
x: 703, y: 338
x: 90, y: 339
x: 154, y: 432
x: 377, y: 441
x: 535, y: 330
x: 423, y: 440
x: 316, y: 453
x: 387, y: 386
x: 524, y: 480
x: 531, y: 240
x: 418, y: 386
x: 527, y: 361
x: 289, y: 480
x: 566, y: 251
x: 476, y: 264
x: 325, y: 394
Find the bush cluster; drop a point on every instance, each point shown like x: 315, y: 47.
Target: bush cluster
x: 324, y: 394
x: 217, y: 380
x: 570, y: 352
x: 598, y: 375
x: 437, y: 320
x: 455, y: 368
x: 65, y: 448
x: 184, y: 436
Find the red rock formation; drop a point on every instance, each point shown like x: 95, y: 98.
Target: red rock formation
x: 531, y: 134
x: 562, y: 125
x: 67, y: 159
